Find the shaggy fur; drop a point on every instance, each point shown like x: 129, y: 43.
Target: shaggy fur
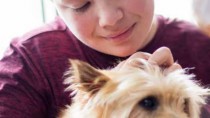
x: 146, y: 91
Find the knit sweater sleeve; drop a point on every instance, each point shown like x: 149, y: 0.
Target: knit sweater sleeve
x: 21, y: 91
x: 31, y: 74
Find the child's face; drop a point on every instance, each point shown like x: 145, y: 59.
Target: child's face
x: 116, y: 27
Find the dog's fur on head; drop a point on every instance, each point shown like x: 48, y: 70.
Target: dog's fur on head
x: 146, y: 91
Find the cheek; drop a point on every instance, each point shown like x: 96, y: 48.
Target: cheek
x: 141, y: 7
x: 82, y: 27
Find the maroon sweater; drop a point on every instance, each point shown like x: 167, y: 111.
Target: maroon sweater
x: 31, y: 72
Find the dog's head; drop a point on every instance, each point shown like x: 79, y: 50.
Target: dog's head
x: 135, y: 92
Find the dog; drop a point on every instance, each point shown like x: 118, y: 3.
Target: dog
x: 143, y: 91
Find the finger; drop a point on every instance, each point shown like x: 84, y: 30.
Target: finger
x: 120, y: 64
x: 162, y: 57
x: 127, y: 62
x: 131, y: 61
x: 142, y: 55
x: 173, y: 67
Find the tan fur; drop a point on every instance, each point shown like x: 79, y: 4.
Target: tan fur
x: 124, y: 93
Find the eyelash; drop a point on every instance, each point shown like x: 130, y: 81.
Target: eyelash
x: 83, y: 8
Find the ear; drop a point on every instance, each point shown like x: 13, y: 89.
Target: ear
x: 86, y: 77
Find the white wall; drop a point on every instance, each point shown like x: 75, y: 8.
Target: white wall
x: 20, y: 16
x: 181, y: 9
x: 17, y: 16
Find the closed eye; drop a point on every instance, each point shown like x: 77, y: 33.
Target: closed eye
x: 149, y: 103
x: 83, y: 8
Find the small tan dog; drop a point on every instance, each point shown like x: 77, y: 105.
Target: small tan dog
x: 146, y: 91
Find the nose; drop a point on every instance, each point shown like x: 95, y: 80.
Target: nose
x: 109, y: 16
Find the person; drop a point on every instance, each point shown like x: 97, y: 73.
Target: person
x: 102, y: 33
x: 201, y: 10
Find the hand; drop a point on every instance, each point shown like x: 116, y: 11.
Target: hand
x: 161, y: 57
x: 164, y: 58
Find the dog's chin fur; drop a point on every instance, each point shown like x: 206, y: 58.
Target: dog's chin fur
x: 146, y: 91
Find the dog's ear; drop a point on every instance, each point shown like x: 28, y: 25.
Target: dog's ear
x: 86, y: 77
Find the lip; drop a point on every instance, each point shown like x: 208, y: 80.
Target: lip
x: 122, y: 35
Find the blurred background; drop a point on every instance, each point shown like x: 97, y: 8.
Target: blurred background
x: 21, y: 16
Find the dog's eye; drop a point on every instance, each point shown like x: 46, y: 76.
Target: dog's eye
x: 149, y: 103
